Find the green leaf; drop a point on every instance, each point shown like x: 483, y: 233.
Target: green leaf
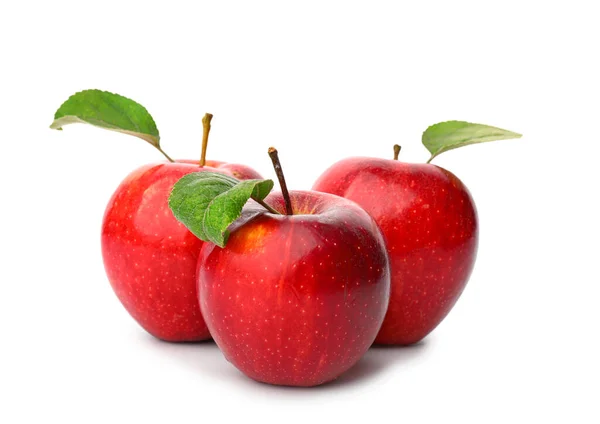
x: 110, y: 111
x: 207, y: 203
x: 445, y: 136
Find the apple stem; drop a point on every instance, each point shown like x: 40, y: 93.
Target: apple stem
x: 206, y: 125
x: 165, y: 154
x: 277, y: 165
x: 397, y: 148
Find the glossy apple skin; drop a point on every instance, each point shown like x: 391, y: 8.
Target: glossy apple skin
x: 150, y: 257
x: 429, y: 223
x: 296, y: 300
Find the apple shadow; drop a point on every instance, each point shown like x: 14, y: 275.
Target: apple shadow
x: 205, y: 358
x: 376, y: 360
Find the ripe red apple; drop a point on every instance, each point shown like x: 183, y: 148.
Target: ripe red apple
x: 296, y: 299
x: 429, y: 223
x: 150, y: 257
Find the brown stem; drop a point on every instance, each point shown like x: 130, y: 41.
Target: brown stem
x: 396, y: 151
x: 277, y: 165
x: 206, y: 125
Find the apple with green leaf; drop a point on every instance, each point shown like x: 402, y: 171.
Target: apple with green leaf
x: 149, y: 257
x: 429, y: 223
x: 293, y: 286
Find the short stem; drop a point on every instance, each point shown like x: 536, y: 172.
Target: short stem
x: 266, y: 206
x: 397, y: 148
x: 206, y: 125
x: 163, y: 152
x: 277, y: 165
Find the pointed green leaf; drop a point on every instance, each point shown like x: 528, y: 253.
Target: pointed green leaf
x: 110, y: 111
x: 207, y: 203
x: 191, y: 196
x: 445, y: 136
x: 227, y: 207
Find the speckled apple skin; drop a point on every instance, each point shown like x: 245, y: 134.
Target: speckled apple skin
x: 296, y: 300
x: 150, y: 257
x: 429, y: 223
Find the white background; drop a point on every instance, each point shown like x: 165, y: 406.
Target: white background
x: 321, y: 81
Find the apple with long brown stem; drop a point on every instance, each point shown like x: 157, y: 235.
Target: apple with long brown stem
x: 295, y: 289
x: 149, y: 257
x: 429, y: 222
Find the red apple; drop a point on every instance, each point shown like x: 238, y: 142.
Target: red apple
x: 429, y: 223
x: 296, y: 299
x: 150, y: 257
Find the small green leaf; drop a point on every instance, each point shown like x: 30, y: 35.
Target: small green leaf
x: 191, y: 196
x: 445, y: 136
x: 207, y: 203
x: 110, y: 111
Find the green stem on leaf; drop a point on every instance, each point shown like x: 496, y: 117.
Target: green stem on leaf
x: 206, y: 125
x: 277, y: 165
x: 165, y: 154
x: 397, y: 148
x: 266, y: 206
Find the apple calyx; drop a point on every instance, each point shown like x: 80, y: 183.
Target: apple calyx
x: 109, y: 111
x: 397, y: 149
x: 444, y: 136
x: 206, y: 130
